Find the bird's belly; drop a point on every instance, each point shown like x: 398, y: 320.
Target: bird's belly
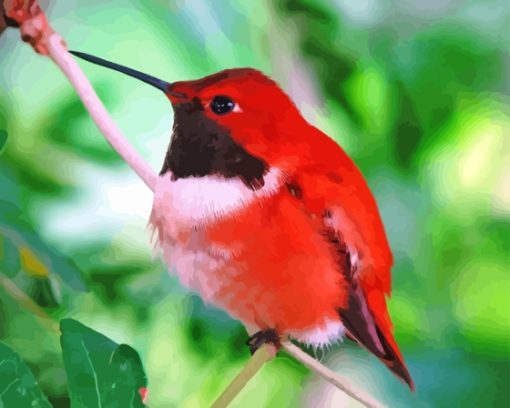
x: 203, y: 268
x: 225, y: 281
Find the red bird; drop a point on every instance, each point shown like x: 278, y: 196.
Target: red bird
x: 268, y: 218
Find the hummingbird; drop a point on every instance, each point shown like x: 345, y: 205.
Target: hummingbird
x: 265, y: 216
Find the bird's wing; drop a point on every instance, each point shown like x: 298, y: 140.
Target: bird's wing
x: 365, y: 315
x: 352, y: 225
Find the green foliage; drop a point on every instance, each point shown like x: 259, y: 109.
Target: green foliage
x: 25, y: 256
x: 18, y: 388
x: 100, y: 372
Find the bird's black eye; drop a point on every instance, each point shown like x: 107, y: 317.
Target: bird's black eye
x: 222, y: 104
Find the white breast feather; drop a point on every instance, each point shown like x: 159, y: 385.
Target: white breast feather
x: 199, y: 200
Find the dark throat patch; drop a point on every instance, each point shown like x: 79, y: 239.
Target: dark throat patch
x: 200, y: 147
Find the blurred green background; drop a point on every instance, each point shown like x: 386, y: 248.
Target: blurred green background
x: 416, y: 92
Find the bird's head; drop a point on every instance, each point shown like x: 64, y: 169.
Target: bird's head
x: 234, y: 123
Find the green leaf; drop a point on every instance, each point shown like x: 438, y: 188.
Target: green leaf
x: 3, y: 139
x: 18, y: 388
x: 100, y: 372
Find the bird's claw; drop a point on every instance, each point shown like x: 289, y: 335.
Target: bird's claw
x: 263, y: 337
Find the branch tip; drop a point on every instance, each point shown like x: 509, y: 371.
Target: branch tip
x: 32, y: 22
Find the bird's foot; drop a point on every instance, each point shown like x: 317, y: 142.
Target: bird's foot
x: 263, y: 337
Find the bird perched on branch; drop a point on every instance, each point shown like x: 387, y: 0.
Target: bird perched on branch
x: 268, y: 218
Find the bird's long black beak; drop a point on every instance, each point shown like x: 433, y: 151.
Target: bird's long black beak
x: 155, y: 82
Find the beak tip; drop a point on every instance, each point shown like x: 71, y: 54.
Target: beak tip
x: 76, y: 53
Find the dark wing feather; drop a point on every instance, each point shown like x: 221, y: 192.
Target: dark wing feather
x: 359, y: 320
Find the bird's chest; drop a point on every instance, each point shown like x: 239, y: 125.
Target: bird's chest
x: 187, y: 215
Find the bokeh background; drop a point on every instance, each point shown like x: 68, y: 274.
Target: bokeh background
x: 416, y: 92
